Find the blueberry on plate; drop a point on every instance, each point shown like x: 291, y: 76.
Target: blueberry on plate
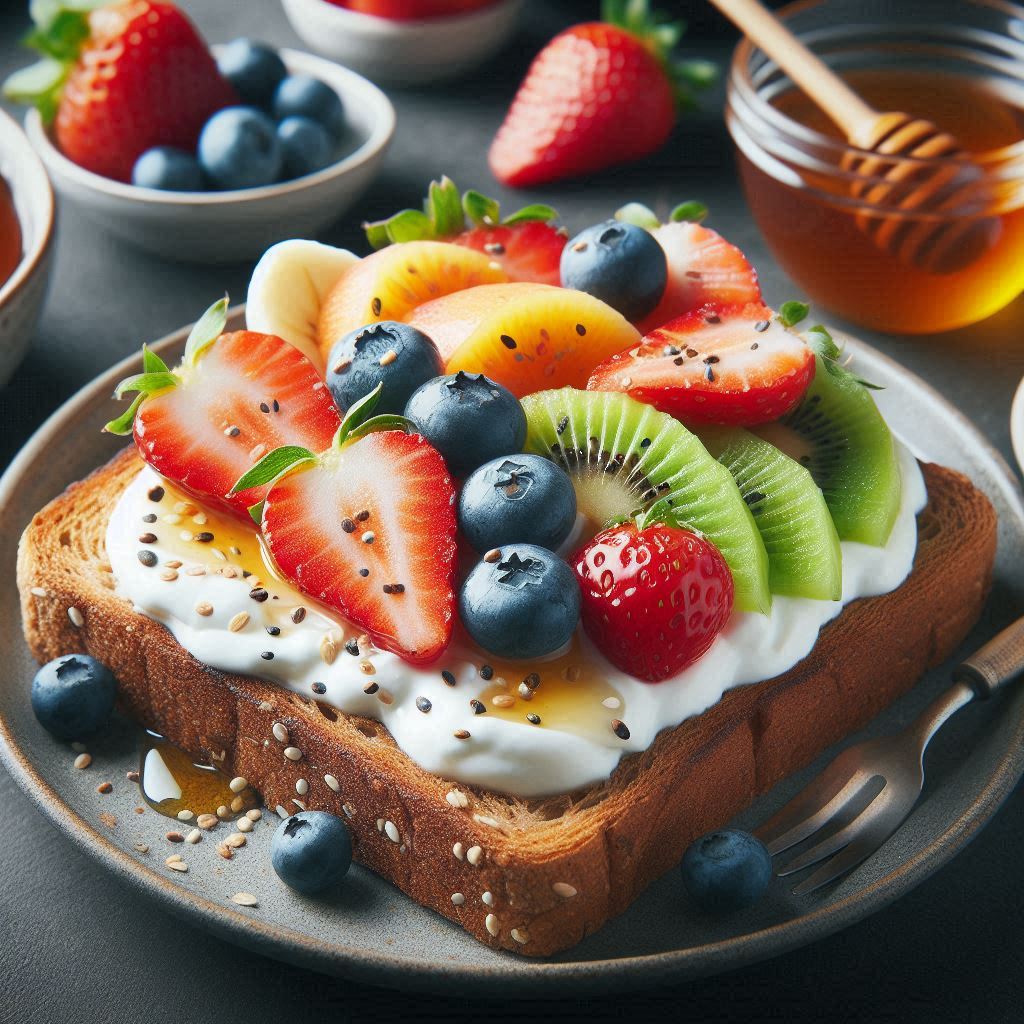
x: 468, y: 418
x: 306, y: 146
x: 168, y: 168
x: 389, y: 353
x: 238, y: 148
x: 311, y: 851
x: 726, y: 870
x: 524, y: 604
x: 253, y: 69
x: 305, y: 96
x: 524, y: 498
x: 618, y: 263
x: 73, y: 696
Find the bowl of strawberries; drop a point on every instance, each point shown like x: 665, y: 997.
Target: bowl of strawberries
x: 195, y: 153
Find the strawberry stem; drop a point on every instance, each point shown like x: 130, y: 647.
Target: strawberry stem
x: 206, y: 330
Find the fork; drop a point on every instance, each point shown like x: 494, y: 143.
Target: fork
x: 868, y: 791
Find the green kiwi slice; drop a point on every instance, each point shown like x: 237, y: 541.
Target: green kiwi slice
x: 839, y: 435
x: 804, y: 556
x: 626, y: 458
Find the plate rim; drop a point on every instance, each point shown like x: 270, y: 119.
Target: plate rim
x: 547, y: 977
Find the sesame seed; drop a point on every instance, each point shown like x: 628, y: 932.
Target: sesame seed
x: 487, y: 898
x: 267, y: 655
x: 223, y: 850
x: 235, y: 840
x: 39, y: 591
x: 388, y: 358
x: 195, y: 570
x: 461, y: 734
x: 348, y: 526
x: 264, y: 407
x: 391, y: 831
x: 149, y: 517
x: 525, y: 692
x: 172, y: 519
x: 620, y: 730
x: 147, y: 538
x: 423, y: 704
x: 204, y: 537
x: 185, y: 815
x: 493, y: 555
x: 244, y: 825
x: 486, y: 819
x: 155, y: 494
x: 280, y: 732
x: 194, y: 836
x: 368, y: 537
x: 238, y: 622
x: 232, y: 431
x: 105, y: 787
x: 371, y: 687
x: 328, y: 650
x: 486, y: 672
x: 448, y: 677
x: 132, y: 776
x: 375, y: 305
x: 293, y: 753
x: 508, y: 342
x: 458, y: 899
x: 367, y: 668
x: 352, y: 647
x: 761, y: 326
x: 491, y: 924
x: 384, y: 697
x: 258, y: 452
x: 237, y: 784
x: 459, y: 851
x: 147, y: 558
x: 520, y: 936
x: 83, y: 760
x: 207, y: 821
x: 237, y: 804
x: 168, y: 575
x: 254, y: 815
x: 532, y: 680
x: 350, y: 811
x: 174, y: 837
x: 76, y: 617
x: 477, y: 706
x: 245, y: 899
x: 141, y: 847
x: 533, y: 718
x: 223, y: 811
x: 333, y: 783
x: 457, y: 798
x: 259, y: 594
x: 564, y: 889
x: 503, y: 700
x: 319, y: 688
x: 178, y: 865
x: 474, y: 855
x: 580, y: 247
x: 185, y: 535
x: 380, y: 824
x: 612, y: 703
x: 298, y: 614
x: 281, y: 812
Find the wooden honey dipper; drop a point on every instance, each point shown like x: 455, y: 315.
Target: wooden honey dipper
x: 935, y: 224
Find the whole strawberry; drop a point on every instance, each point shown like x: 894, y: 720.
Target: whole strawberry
x: 653, y: 598
x: 599, y: 94
x: 119, y: 79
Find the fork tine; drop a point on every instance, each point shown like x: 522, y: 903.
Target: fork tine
x: 846, y: 860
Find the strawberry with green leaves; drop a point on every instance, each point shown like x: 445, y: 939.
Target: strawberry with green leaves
x: 234, y: 397
x: 366, y: 527
x: 116, y: 79
x: 526, y: 244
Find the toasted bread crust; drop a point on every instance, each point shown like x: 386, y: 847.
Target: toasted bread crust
x: 609, y: 842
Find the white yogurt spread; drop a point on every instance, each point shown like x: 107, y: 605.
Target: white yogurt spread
x: 574, y: 746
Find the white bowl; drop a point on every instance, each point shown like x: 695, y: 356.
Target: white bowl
x: 403, y: 52
x: 220, y: 227
x: 1017, y: 425
x: 22, y: 294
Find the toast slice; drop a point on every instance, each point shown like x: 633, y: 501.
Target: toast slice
x: 557, y: 868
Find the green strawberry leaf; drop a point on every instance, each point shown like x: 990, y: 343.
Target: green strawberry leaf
x: 444, y: 208
x: 535, y: 211
x: 356, y: 414
x: 386, y: 421
x: 207, y: 329
x: 124, y: 423
x: 273, y: 466
x: 146, y: 383
x: 792, y: 312
x: 256, y: 512
x: 480, y: 209
x: 692, y: 210
x: 39, y: 85
x: 639, y: 215
x: 151, y: 362
x: 377, y: 234
x: 824, y: 346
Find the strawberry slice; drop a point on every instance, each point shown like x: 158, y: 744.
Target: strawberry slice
x: 367, y: 528
x: 526, y: 244
x: 234, y: 398
x: 738, y: 365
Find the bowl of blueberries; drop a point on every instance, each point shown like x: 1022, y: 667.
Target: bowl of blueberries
x: 299, y: 148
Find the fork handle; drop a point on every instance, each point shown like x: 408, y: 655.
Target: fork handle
x: 995, y: 664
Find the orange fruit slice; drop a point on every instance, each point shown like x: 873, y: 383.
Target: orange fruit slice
x: 389, y: 283
x: 526, y: 336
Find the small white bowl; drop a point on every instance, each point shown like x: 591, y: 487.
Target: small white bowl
x: 221, y: 227
x: 22, y: 294
x: 403, y: 52
x: 1017, y: 425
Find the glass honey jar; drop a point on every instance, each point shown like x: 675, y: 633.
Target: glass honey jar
x: 956, y: 63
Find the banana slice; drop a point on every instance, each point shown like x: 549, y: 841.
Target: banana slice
x: 287, y: 288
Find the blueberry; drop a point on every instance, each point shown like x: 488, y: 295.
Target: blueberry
x: 305, y: 96
x: 389, y: 353
x: 73, y: 696
x: 168, y: 168
x: 618, y: 263
x: 524, y: 498
x: 306, y: 147
x: 238, y: 148
x: 253, y: 69
x: 311, y: 851
x: 523, y: 605
x: 726, y: 870
x: 469, y: 419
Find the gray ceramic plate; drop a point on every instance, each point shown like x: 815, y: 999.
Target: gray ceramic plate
x: 372, y: 932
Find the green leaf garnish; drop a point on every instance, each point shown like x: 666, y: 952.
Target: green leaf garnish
x: 481, y: 209
x: 273, y: 466
x: 386, y: 421
x: 829, y: 353
x: 124, y: 423
x: 535, y: 211
x: 639, y: 215
x: 151, y: 362
x: 40, y: 85
x: 256, y: 512
x: 377, y: 234
x: 208, y: 328
x: 146, y: 383
x: 444, y: 208
x: 692, y: 210
x: 792, y: 312
x: 357, y: 413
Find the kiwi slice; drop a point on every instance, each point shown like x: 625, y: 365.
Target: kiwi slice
x: 838, y: 433
x: 626, y: 458
x: 804, y: 557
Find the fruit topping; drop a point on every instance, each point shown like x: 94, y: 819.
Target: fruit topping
x: 306, y: 96
x: 838, y: 433
x: 73, y: 696
x: 311, y: 852
x: 233, y: 398
x: 620, y: 264
x: 306, y: 147
x: 726, y: 870
x: 625, y: 458
x: 389, y: 284
x: 468, y: 418
x: 522, y: 498
x: 389, y: 353
x: 366, y: 527
x: 738, y: 365
x: 804, y: 557
x: 239, y: 148
x: 253, y: 69
x: 599, y: 94
x: 168, y: 168
x: 523, y: 604
x: 653, y: 598
x: 525, y: 336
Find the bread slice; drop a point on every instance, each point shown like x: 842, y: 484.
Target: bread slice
x: 557, y: 868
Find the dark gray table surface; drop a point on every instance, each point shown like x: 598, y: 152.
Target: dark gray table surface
x: 77, y: 946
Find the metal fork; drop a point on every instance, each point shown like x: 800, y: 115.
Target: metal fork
x: 867, y: 792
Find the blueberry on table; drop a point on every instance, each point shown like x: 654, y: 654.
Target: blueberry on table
x: 726, y: 870
x: 389, y: 353
x: 73, y: 696
x: 253, y: 69
x: 305, y: 96
x: 168, y: 168
x: 524, y: 498
x: 311, y: 851
x: 468, y: 418
x: 525, y: 603
x: 306, y: 147
x: 618, y: 263
x: 239, y: 148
